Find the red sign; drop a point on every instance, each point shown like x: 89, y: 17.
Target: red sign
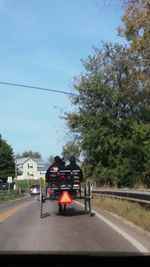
x: 65, y: 198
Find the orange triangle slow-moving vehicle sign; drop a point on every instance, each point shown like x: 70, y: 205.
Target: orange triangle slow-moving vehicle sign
x: 65, y: 198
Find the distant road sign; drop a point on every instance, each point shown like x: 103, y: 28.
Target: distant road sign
x: 9, y: 179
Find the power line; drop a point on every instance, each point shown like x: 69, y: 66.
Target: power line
x: 37, y: 88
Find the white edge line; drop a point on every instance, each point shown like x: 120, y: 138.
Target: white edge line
x: 132, y: 240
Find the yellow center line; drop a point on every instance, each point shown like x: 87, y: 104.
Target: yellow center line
x: 8, y: 213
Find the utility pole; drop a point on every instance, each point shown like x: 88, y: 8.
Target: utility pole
x: 15, y: 168
x: 15, y: 172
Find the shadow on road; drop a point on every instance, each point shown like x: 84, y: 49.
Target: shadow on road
x: 72, y: 212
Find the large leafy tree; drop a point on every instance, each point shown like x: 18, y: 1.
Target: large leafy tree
x: 109, y: 112
x: 136, y: 21
x: 7, y: 163
x: 112, y: 115
x: 136, y: 29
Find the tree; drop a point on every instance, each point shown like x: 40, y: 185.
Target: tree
x: 51, y: 159
x: 29, y: 154
x: 136, y: 21
x: 109, y: 104
x: 136, y: 29
x: 112, y: 116
x: 7, y: 163
x: 71, y: 148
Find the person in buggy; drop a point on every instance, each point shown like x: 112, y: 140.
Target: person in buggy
x: 73, y: 166
x: 57, y: 165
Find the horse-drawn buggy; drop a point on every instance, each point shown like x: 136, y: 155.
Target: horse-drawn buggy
x: 65, y: 186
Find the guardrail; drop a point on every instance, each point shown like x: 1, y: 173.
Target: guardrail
x: 140, y: 197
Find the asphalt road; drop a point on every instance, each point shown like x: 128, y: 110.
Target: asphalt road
x: 22, y: 230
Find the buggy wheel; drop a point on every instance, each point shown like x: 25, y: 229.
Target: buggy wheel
x: 41, y: 199
x: 46, y: 188
x: 85, y: 200
x: 60, y: 208
x: 90, y: 198
x: 41, y: 204
x: 64, y: 210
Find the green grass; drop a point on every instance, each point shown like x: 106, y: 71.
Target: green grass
x: 132, y: 212
x: 5, y: 197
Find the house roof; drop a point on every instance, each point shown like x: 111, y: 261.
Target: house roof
x: 22, y: 161
x: 40, y: 162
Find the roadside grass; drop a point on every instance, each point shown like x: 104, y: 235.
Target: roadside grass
x: 132, y: 212
x: 6, y: 197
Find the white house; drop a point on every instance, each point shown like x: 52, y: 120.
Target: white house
x: 28, y: 168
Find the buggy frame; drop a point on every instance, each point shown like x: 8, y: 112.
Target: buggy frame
x: 66, y: 181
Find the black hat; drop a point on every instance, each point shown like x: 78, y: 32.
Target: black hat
x: 72, y: 159
x: 57, y: 159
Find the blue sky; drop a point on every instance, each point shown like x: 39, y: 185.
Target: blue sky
x: 42, y: 44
